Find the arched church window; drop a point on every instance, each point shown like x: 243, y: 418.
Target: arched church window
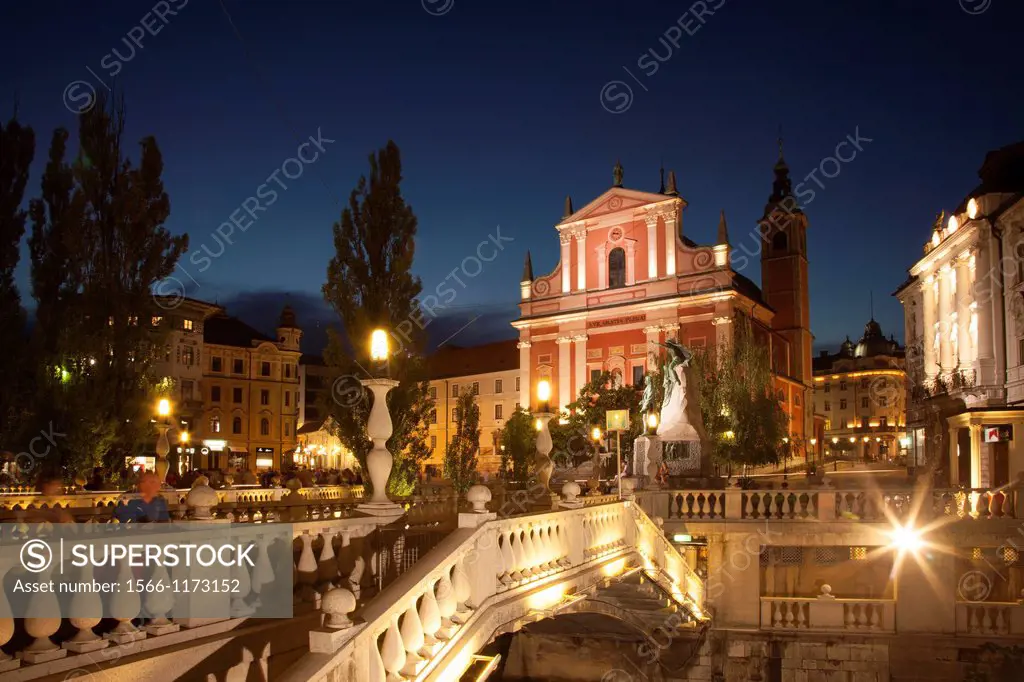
x: 779, y: 241
x: 616, y: 269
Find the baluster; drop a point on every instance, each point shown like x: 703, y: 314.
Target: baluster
x: 984, y: 499
x: 306, y: 569
x: 392, y: 653
x: 1000, y: 622
x: 430, y: 621
x: 689, y: 505
x: 239, y: 605
x: 675, y: 506
x: 124, y: 606
x: 460, y: 583
x: 44, y: 625
x: 848, y: 618
x: 85, y: 640
x: 701, y: 500
x: 159, y: 603
x: 446, y: 606
x: 563, y: 547
x: 519, y: 560
x: 327, y: 564
x: 874, y: 621
x: 412, y: 641
x: 776, y: 614
x: 987, y: 624
x: 508, y: 560
x: 972, y: 618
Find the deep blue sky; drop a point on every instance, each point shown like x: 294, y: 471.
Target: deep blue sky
x: 496, y: 107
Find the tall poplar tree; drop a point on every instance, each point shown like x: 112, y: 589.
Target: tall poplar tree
x: 98, y: 245
x: 369, y: 285
x: 460, y: 455
x: 17, y: 148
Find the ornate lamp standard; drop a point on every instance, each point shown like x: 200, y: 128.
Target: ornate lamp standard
x: 542, y: 463
x: 163, y: 424
x: 183, y: 437
x: 379, y: 428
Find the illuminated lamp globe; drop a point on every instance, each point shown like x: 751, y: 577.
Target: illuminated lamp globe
x: 544, y: 390
x: 596, y: 433
x: 953, y: 224
x: 163, y: 407
x: 652, y: 420
x: 972, y: 208
x: 906, y: 538
x: 936, y: 238
x: 379, y: 345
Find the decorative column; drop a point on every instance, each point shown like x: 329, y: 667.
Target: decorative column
x: 653, y: 337
x: 565, y: 238
x: 928, y: 310
x: 602, y: 266
x: 963, y: 310
x: 671, y: 230
x: 581, y: 259
x: 581, y: 361
x: 946, y: 361
x: 379, y: 461
x: 980, y: 475
x: 630, y: 263
x: 564, y: 372
x: 524, y: 374
x: 723, y: 330
x: 652, y: 245
x: 986, y: 308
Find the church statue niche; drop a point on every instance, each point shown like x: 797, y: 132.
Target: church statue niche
x: 616, y: 269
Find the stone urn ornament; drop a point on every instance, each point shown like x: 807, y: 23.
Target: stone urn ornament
x: 542, y: 464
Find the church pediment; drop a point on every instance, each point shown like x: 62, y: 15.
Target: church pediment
x: 617, y: 200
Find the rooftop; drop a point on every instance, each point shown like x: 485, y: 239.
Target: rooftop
x: 457, y: 361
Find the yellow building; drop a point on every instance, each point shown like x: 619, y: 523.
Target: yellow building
x: 251, y: 394
x: 861, y: 393
x: 491, y: 371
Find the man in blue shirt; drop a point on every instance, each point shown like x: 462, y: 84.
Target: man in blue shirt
x: 149, y: 507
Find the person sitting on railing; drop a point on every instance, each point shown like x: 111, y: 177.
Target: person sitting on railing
x: 96, y: 480
x: 149, y: 506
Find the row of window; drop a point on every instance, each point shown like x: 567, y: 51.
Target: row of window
x: 238, y: 367
x: 882, y: 401
x: 499, y: 413
x: 236, y: 426
x: 883, y: 423
x: 843, y: 385
x: 499, y: 387
x: 237, y: 397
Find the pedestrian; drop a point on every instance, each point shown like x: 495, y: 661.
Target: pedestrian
x: 149, y: 506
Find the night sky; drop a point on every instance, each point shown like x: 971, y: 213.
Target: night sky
x: 502, y: 108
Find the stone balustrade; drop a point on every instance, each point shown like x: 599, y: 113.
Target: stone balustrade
x: 826, y: 613
x: 429, y: 622
x: 990, y: 619
x: 827, y: 504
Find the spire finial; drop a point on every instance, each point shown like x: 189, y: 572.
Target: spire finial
x: 617, y: 174
x: 568, y: 207
x: 780, y: 142
x: 671, y: 189
x: 871, y: 299
x: 527, y: 269
x: 661, y: 187
x: 723, y: 229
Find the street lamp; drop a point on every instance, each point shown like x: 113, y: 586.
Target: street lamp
x: 652, y: 422
x: 183, y: 438
x: 542, y: 463
x: 379, y: 428
x: 163, y: 411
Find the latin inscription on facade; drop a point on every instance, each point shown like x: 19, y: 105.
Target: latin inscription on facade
x: 616, y: 321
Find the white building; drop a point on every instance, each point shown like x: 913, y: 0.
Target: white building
x: 964, y: 314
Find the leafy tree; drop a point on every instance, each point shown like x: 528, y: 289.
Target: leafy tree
x: 572, y: 441
x: 98, y: 246
x: 460, y: 455
x: 17, y: 149
x: 370, y: 284
x: 518, y: 441
x: 742, y: 414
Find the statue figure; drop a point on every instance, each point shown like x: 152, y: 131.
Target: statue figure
x: 617, y: 174
x: 679, y: 421
x: 647, y: 401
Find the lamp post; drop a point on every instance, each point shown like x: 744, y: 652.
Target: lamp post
x: 785, y: 460
x: 814, y: 452
x: 542, y: 463
x: 379, y: 428
x: 163, y: 411
x: 183, y: 437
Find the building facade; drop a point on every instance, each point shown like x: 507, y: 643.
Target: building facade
x: 628, y: 279
x: 964, y: 318
x: 251, y: 394
x: 861, y: 393
x: 491, y: 372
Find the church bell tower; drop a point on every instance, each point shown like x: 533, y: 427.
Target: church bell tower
x: 784, y: 277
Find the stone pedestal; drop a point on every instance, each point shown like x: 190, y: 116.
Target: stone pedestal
x: 647, y: 457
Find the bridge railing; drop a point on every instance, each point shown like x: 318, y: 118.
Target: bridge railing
x: 828, y: 614
x: 829, y: 504
x: 489, y: 571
